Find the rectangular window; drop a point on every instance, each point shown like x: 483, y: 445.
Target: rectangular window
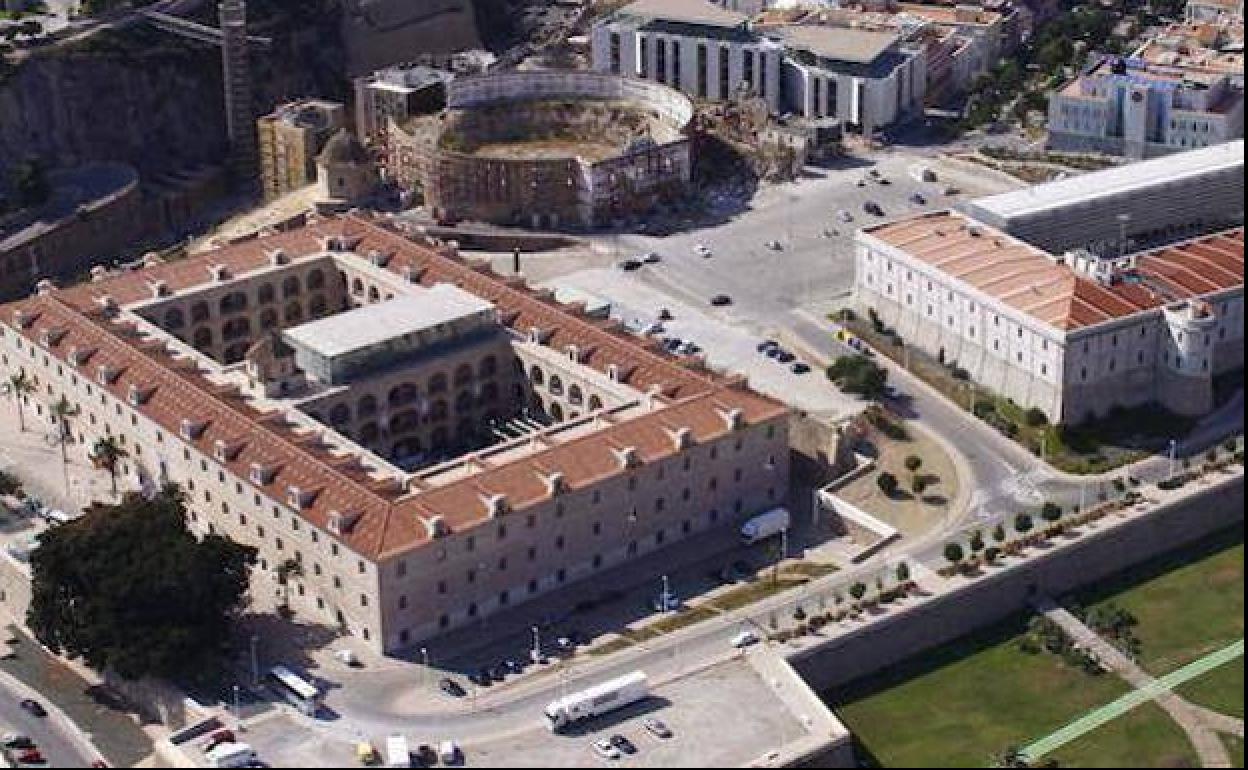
x: 703, y: 75
x: 644, y: 54
x: 615, y: 53
x: 660, y: 61
x: 723, y: 74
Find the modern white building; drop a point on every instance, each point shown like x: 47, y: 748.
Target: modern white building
x: 1070, y: 334
x: 702, y: 49
x: 865, y: 78
x: 1127, y: 207
x: 1141, y: 109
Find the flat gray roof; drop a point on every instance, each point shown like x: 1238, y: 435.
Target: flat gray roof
x: 372, y: 325
x: 686, y: 11
x: 860, y: 46
x: 1113, y: 181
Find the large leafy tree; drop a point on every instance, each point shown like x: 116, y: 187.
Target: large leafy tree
x: 129, y: 589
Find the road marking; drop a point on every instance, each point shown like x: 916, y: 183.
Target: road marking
x: 1110, y: 711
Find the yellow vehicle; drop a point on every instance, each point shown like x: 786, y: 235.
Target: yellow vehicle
x: 366, y: 754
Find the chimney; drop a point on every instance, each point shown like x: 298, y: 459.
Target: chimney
x: 495, y: 505
x: 554, y: 483
x: 278, y: 257
x: 682, y: 437
x: 191, y: 429
x: 628, y: 457
x: 261, y: 475
x: 340, y: 523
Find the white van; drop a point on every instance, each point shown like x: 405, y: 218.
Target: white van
x: 231, y: 755
x: 448, y: 752
x: 397, y: 753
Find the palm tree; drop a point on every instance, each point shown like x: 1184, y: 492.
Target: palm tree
x: 62, y: 410
x: 108, y: 452
x: 20, y: 386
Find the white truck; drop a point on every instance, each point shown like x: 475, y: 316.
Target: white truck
x: 765, y: 525
x: 231, y: 755
x: 597, y: 700
x: 397, y: 752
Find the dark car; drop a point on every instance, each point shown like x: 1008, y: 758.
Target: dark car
x: 33, y: 708
x: 451, y: 687
x: 774, y: 352
x: 873, y: 208
x: 800, y: 367
x: 623, y: 744
x: 918, y: 199
x: 499, y: 672
x: 766, y: 345
x: 425, y: 755
x: 482, y: 678
x: 785, y: 357
x: 629, y: 265
x: 719, y: 300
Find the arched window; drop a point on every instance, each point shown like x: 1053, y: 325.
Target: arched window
x: 403, y: 394
x: 437, y: 383
x: 202, y: 338
x: 536, y: 376
x: 268, y: 319
x: 463, y: 375
x: 489, y: 366
x: 373, y: 294
x: 294, y: 312
x: 233, y: 302
x: 367, y: 406
x: 173, y: 318
x: 340, y: 414
x: 290, y: 287
x: 235, y: 353
x: 265, y: 294
x: 200, y: 312
x: 574, y: 395
x: 316, y: 279
x: 357, y: 286
x: 556, y: 412
x: 235, y: 328
x: 595, y: 403
x: 556, y: 385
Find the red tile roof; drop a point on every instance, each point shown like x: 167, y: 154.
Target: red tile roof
x: 390, y: 521
x: 1027, y: 279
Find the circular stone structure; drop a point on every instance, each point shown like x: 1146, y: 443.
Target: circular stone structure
x: 546, y: 149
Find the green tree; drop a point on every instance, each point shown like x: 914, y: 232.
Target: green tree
x: 109, y: 453
x: 20, y: 386
x: 1050, y: 512
x: 887, y: 483
x: 9, y: 484
x: 1022, y: 523
x: 903, y: 572
x: 954, y: 553
x: 977, y: 541
x: 858, y: 590
x: 859, y: 375
x: 291, y: 568
x: 61, y: 411
x: 913, y: 463
x: 998, y: 533
x: 128, y: 588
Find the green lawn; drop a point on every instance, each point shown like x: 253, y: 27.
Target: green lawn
x: 962, y: 704
x: 1143, y: 737
x: 1222, y: 689
x: 1188, y: 603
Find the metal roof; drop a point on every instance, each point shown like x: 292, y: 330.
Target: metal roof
x: 1133, y: 177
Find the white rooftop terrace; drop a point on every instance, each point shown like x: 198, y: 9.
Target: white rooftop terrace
x: 1140, y: 176
x: 373, y: 325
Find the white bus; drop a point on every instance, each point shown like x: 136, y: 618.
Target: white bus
x: 597, y: 700
x: 297, y: 691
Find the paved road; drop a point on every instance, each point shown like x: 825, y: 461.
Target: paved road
x: 56, y: 739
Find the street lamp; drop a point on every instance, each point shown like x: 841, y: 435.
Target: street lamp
x: 536, y: 653
x: 664, y: 601
x: 424, y: 674
x: 238, y: 714
x: 1174, y: 447
x: 255, y: 661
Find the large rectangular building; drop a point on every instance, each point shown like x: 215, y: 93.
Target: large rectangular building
x: 1126, y: 207
x: 418, y: 496
x: 1141, y: 109
x: 1070, y: 334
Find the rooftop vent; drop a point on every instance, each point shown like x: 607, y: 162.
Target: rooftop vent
x: 682, y: 437
x: 555, y: 483
x: 79, y: 356
x: 219, y: 273
x: 191, y: 429
x: 23, y: 319
x: 340, y: 523
x: 261, y: 475
x: 299, y: 498
x: 137, y: 396
x: 106, y: 374
x: 733, y: 418
x: 435, y: 527
x: 628, y: 457
x: 45, y: 286
x: 495, y: 505
x: 158, y: 288
x: 377, y: 258
x: 226, y: 451
x: 51, y: 337
x: 278, y: 257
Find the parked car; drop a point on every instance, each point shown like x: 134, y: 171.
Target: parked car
x: 744, y: 639
x: 650, y: 258
x: 951, y: 190
x: 774, y: 352
x: 800, y: 367
x: 33, y: 708
x: 623, y: 744
x: 785, y: 357
x: 767, y: 345
x: 17, y: 741
x: 218, y: 738
x: 720, y: 300
x: 31, y: 757
x: 873, y: 208
x: 482, y: 678
x: 628, y: 265
x: 702, y: 250
x: 884, y: 180
x: 844, y: 216
x: 774, y: 245
x: 451, y: 687
x: 657, y: 728
x: 918, y: 199
x: 861, y: 183
x: 689, y: 348
x: 425, y: 755
x: 604, y: 749
x: 665, y: 314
